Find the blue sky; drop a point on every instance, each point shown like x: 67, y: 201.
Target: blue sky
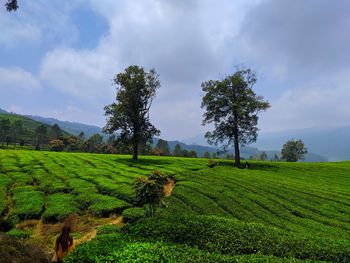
x: 58, y: 58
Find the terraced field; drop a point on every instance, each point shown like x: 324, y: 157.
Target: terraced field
x: 51, y: 185
x: 286, y: 206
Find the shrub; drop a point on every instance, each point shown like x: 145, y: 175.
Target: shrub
x: 59, y: 206
x: 120, y: 248
x: 20, y: 234
x: 27, y: 203
x: 212, y: 164
x: 133, y: 214
x: 57, y: 145
x: 108, y: 229
x: 232, y: 237
x: 16, y: 251
x: 105, y: 205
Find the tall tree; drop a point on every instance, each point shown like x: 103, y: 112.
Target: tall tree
x: 17, y: 130
x: 293, y: 151
x: 163, y: 147
x: 40, y: 136
x: 177, y: 150
x: 55, y: 131
x: 129, y: 115
x: 5, y: 129
x: 233, y: 107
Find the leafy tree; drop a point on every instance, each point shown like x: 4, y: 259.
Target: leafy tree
x: 276, y: 158
x: 293, y: 151
x: 233, y: 107
x: 93, y: 144
x: 55, y: 131
x: 111, y: 139
x: 206, y: 155
x: 129, y: 115
x: 163, y: 147
x: 149, y: 190
x: 263, y: 156
x: 17, y: 130
x: 11, y: 5
x: 81, y: 136
x: 40, y: 136
x: 192, y: 154
x: 177, y: 150
x: 5, y: 129
x: 57, y: 145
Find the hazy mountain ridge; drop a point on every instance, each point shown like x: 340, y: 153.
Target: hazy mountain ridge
x: 72, y: 127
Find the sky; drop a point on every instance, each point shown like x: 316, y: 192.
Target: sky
x: 58, y: 58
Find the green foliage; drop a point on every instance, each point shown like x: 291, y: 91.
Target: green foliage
x: 27, y: 203
x: 212, y: 164
x: 59, y: 206
x: 105, y: 205
x: 57, y: 145
x: 109, y: 229
x: 293, y: 151
x: 232, y: 237
x: 162, y: 148
x: 133, y: 214
x: 15, y: 250
x: 233, y: 107
x: 17, y: 233
x: 129, y: 114
x: 149, y: 190
x: 120, y: 248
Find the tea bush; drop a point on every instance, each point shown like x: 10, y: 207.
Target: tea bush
x: 232, y: 237
x: 59, y: 206
x: 134, y: 213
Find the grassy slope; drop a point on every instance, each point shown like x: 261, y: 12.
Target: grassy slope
x: 302, y: 199
x: 28, y: 124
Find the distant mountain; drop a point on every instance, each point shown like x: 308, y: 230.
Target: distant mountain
x: 72, y: 127
x: 333, y: 142
x: 3, y: 111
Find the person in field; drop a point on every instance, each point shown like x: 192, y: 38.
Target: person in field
x: 63, y: 244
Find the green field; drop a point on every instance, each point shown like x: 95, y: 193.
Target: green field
x: 270, y: 212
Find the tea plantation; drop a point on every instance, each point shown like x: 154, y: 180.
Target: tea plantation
x: 269, y: 212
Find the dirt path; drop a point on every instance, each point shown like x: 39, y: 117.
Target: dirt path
x: 169, y: 187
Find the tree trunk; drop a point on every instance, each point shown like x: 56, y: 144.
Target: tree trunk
x: 135, y: 151
x: 237, y: 153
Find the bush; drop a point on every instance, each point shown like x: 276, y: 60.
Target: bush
x: 16, y: 251
x: 27, y: 203
x: 212, y: 164
x: 59, y: 206
x: 120, y: 248
x: 232, y: 237
x: 20, y: 234
x: 133, y: 214
x: 108, y: 229
x: 105, y: 205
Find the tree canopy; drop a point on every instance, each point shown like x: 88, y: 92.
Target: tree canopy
x: 129, y: 115
x: 293, y: 151
x: 232, y: 106
x: 11, y: 5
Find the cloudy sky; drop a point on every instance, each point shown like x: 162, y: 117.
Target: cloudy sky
x: 58, y: 58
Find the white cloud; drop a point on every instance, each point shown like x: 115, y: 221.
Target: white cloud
x: 17, y: 79
x: 321, y: 103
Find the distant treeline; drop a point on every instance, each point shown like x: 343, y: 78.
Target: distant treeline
x: 45, y: 137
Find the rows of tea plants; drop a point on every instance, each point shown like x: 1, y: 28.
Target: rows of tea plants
x: 311, y: 199
x: 51, y: 186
